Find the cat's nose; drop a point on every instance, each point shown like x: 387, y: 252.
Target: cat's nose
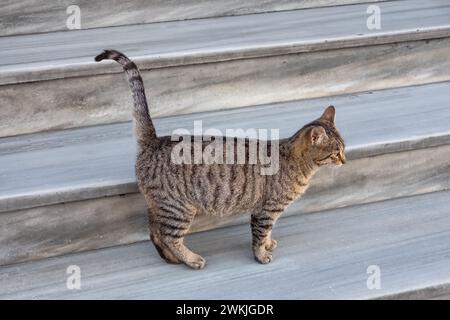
x: 342, y: 158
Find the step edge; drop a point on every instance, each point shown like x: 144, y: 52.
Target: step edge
x: 362, y: 2
x: 419, y: 293
x: 175, y: 59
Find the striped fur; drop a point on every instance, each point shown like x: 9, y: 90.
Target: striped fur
x: 145, y: 130
x: 177, y: 193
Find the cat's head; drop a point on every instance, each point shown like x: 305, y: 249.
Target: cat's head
x: 321, y: 142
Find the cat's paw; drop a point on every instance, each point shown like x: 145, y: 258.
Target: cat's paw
x: 263, y: 256
x: 271, y: 244
x: 196, y: 262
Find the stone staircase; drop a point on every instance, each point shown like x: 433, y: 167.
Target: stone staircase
x: 67, y: 187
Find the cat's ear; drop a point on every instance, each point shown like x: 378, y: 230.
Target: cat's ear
x: 316, y: 135
x: 329, y: 114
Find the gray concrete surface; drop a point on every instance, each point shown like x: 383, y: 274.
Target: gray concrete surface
x: 322, y: 255
x: 433, y: 292
x: 34, y: 16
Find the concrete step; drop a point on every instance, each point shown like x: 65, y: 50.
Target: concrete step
x: 326, y: 255
x: 220, y: 63
x: 75, y: 190
x: 35, y: 16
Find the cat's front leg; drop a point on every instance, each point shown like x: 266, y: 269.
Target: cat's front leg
x: 263, y: 245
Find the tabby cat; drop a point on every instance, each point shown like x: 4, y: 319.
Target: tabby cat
x: 176, y: 193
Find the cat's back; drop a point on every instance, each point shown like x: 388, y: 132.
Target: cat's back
x: 214, y: 187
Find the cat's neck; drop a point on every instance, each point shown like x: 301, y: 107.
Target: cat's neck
x: 299, y: 161
x: 303, y: 167
x: 292, y: 178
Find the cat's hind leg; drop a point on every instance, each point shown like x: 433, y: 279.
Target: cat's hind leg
x: 164, y: 252
x: 173, y: 226
x: 155, y: 237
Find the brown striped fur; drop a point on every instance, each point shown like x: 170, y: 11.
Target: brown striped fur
x: 177, y: 193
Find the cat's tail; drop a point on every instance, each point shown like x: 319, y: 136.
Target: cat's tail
x: 145, y: 130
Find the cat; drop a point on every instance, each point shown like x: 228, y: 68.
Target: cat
x: 176, y: 193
